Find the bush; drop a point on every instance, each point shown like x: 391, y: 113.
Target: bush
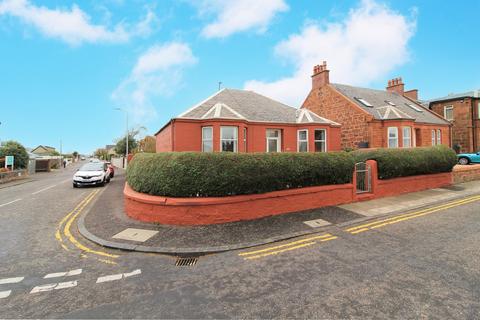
x: 393, y: 163
x: 222, y: 174
x: 13, y: 148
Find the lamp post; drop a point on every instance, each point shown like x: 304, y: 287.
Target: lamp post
x: 126, y: 137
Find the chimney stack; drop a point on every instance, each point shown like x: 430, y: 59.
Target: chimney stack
x: 320, y: 76
x: 396, y: 85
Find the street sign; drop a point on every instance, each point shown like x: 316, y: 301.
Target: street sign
x: 9, y: 161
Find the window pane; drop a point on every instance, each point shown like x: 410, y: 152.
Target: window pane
x: 228, y: 145
x: 229, y: 132
x: 272, y: 145
x: 302, y: 146
x: 273, y: 133
x: 302, y: 135
x: 207, y: 133
x: 319, y: 134
x: 319, y: 146
x: 439, y: 136
x: 207, y: 146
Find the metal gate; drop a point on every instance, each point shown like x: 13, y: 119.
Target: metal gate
x: 363, y: 174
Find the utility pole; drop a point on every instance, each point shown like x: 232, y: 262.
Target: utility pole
x: 126, y: 136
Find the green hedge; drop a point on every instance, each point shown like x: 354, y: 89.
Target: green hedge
x: 394, y: 163
x: 191, y: 174
x: 188, y: 174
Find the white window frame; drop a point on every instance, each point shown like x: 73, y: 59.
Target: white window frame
x: 439, y: 137
x: 279, y: 140
x: 235, y: 139
x: 203, y: 139
x: 409, y: 130
x: 302, y: 141
x: 393, y: 130
x: 324, y: 141
x: 449, y: 108
x: 245, y: 139
x: 434, y: 137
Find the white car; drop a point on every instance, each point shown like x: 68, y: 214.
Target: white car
x: 91, y: 174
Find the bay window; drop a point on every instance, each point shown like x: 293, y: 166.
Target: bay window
x: 207, y: 139
x: 392, y: 137
x: 407, y: 137
x: 320, y: 140
x: 302, y: 141
x: 229, y: 139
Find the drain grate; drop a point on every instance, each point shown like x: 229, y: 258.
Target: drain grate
x: 186, y: 261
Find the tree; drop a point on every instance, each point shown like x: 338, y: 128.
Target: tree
x: 101, y: 153
x: 75, y: 154
x: 120, y: 147
x: 14, y: 148
x: 147, y: 144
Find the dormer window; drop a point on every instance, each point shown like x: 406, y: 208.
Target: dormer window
x: 364, y: 102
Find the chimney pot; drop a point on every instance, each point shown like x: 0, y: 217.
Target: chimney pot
x: 320, y: 76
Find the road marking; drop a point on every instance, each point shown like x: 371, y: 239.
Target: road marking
x: 11, y: 280
x: 41, y: 190
x: 285, y: 245
x: 133, y: 273
x: 67, y: 222
x: 5, y: 294
x: 71, y: 238
x: 5, y: 204
x: 63, y: 274
x: 280, y: 251
x: 411, y: 215
x: 112, y: 277
x: 328, y: 239
x: 54, y: 286
x: 119, y: 276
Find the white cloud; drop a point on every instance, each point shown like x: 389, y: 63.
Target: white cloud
x: 369, y: 43
x: 73, y: 25
x: 157, y: 72
x: 239, y: 15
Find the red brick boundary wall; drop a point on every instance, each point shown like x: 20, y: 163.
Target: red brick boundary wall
x: 213, y: 210
x: 201, y: 211
x: 465, y: 173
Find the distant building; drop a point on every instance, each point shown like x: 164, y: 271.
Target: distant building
x: 391, y: 118
x: 244, y: 121
x: 110, y: 149
x: 44, y: 150
x: 463, y: 111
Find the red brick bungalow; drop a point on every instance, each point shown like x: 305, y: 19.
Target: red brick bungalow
x: 376, y: 118
x: 244, y: 121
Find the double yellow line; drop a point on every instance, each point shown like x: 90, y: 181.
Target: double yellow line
x: 64, y: 226
x: 285, y: 247
x: 407, y: 216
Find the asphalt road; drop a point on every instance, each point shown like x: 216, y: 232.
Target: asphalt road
x: 424, y: 265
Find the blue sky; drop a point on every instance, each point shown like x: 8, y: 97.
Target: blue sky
x: 65, y: 65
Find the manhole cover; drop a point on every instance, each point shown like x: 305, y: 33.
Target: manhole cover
x: 186, y: 261
x: 132, y: 234
x: 317, y: 223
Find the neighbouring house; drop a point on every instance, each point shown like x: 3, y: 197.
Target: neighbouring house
x: 245, y: 121
x: 463, y: 111
x: 44, y: 150
x: 376, y: 118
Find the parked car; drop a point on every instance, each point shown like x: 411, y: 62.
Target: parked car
x: 111, y: 167
x: 466, y: 158
x: 91, y: 174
